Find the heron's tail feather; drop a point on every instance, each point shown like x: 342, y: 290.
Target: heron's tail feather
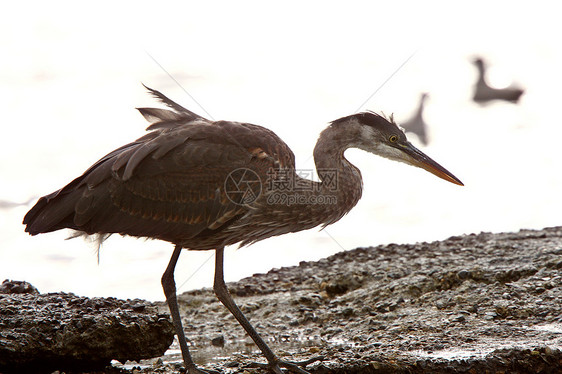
x: 50, y: 213
x: 70, y: 207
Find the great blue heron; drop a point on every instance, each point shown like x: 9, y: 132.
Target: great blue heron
x: 483, y: 92
x: 203, y: 185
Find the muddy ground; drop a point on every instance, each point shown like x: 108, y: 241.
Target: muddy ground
x: 486, y: 303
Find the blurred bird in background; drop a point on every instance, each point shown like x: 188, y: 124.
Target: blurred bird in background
x: 484, y: 93
x: 416, y: 125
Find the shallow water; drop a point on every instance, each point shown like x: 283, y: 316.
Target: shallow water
x: 212, y: 354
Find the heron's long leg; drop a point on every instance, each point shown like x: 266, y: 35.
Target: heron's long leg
x: 169, y: 286
x: 224, y: 296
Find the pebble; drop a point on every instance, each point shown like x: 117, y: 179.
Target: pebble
x: 218, y: 341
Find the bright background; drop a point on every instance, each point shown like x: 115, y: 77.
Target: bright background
x: 70, y: 79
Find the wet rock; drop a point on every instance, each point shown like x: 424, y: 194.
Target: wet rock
x: 479, y: 303
x: 61, y: 331
x: 375, y: 309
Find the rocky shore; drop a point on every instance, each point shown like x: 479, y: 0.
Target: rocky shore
x: 485, y: 303
x: 41, y: 333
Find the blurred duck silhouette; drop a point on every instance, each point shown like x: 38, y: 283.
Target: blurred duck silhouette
x: 483, y: 93
x: 416, y: 124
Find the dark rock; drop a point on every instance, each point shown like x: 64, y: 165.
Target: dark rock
x: 218, y: 341
x: 342, y: 285
x: 463, y: 274
x: 61, y: 331
x: 11, y: 286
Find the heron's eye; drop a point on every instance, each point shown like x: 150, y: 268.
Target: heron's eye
x: 393, y: 138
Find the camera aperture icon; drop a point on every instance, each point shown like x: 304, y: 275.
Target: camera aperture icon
x: 242, y: 186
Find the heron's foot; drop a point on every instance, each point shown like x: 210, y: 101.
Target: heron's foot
x: 291, y: 366
x: 196, y: 370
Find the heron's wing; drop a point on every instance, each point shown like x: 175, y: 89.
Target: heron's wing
x: 169, y: 184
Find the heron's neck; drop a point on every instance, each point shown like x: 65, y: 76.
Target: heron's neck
x: 338, y: 177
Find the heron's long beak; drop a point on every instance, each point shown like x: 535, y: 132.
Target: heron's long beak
x: 420, y: 159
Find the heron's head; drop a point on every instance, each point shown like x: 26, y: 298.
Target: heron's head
x: 376, y: 134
